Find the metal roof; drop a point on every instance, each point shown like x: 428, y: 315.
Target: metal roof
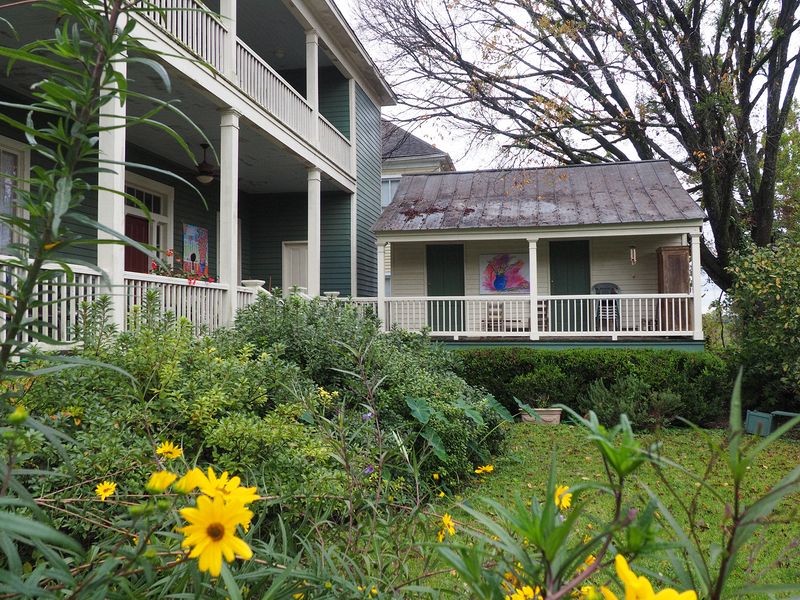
x: 595, y: 194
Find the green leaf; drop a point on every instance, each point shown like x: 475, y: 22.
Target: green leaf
x: 420, y: 409
x: 29, y: 529
x: 234, y: 593
x: 499, y: 409
x: 436, y: 443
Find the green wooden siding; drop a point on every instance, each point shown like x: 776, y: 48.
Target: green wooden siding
x: 368, y: 190
x: 335, y: 251
x: 277, y: 218
x: 334, y: 99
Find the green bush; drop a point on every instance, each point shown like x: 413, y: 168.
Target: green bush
x: 700, y: 381
x: 766, y: 304
x: 646, y: 408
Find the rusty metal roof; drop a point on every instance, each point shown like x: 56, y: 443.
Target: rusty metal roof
x: 596, y: 194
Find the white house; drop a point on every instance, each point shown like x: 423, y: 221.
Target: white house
x: 593, y: 252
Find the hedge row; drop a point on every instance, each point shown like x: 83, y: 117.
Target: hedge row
x: 699, y: 382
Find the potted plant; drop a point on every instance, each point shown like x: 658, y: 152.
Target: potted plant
x: 538, y: 389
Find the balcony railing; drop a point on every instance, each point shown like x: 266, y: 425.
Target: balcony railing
x: 268, y: 89
x: 203, y: 34
x: 333, y: 144
x: 607, y: 316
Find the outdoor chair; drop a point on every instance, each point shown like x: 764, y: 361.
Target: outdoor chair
x: 606, y: 310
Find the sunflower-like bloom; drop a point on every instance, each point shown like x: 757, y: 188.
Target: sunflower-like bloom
x: 562, y: 499
x: 211, y: 533
x: 160, y: 480
x: 169, y: 450
x: 227, y: 488
x: 588, y: 592
x: 526, y: 592
x: 190, y: 481
x: 105, y: 489
x: 448, y: 527
x: 484, y: 469
x: 639, y: 588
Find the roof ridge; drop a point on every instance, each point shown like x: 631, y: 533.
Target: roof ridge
x: 515, y: 169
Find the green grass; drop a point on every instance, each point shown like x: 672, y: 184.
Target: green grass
x: 523, y: 470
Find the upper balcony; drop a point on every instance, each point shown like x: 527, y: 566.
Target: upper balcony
x: 273, y: 60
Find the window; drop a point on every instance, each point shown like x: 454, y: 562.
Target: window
x: 156, y: 231
x: 388, y: 189
x: 13, y: 165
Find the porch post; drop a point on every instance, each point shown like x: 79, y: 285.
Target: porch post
x: 534, y: 277
x: 312, y: 81
x: 314, y: 230
x: 697, y: 287
x: 382, y: 285
x: 111, y: 203
x: 229, y: 212
x: 227, y: 10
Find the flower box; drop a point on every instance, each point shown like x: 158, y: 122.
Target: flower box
x: 548, y: 416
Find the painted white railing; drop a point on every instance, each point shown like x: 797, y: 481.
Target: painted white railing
x: 365, y: 305
x: 333, y: 144
x: 619, y: 315
x: 260, y: 81
x: 245, y: 296
x: 59, y: 301
x: 199, y: 302
x: 192, y: 24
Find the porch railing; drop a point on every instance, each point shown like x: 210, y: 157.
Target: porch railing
x: 333, y: 144
x: 617, y: 315
x: 268, y: 89
x: 194, y: 26
x: 58, y: 301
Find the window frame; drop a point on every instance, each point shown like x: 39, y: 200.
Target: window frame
x: 165, y: 217
x: 23, y: 153
x: 390, y: 179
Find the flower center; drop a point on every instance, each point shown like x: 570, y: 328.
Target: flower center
x: 216, y: 531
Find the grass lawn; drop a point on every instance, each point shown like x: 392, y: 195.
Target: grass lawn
x: 523, y: 469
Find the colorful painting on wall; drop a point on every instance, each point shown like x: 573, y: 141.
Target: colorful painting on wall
x: 504, y: 274
x: 195, y: 249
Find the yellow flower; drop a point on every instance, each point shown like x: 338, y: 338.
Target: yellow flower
x: 105, y: 489
x: 169, y: 450
x: 228, y: 489
x: 436, y: 477
x: 587, y: 562
x: 448, y: 527
x: 639, y: 588
x: 190, y: 481
x: 526, y: 592
x: 160, y: 480
x: 589, y: 592
x: 484, y: 469
x: 373, y: 591
x: 211, y: 533
x: 441, y: 494
x: 563, y: 500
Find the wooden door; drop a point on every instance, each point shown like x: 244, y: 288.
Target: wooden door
x: 137, y: 228
x: 445, y: 277
x: 570, y: 275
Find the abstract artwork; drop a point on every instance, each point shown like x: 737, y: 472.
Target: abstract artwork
x: 195, y: 249
x: 504, y: 274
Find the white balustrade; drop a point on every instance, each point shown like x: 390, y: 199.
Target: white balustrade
x: 245, y: 296
x: 333, y: 144
x: 192, y: 24
x: 58, y: 301
x: 619, y: 315
x: 260, y: 81
x: 200, y: 302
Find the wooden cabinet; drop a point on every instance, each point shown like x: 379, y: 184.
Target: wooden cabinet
x: 673, y: 278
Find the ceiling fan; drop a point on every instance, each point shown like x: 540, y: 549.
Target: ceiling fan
x: 206, y: 172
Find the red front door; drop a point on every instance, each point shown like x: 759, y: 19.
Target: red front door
x: 137, y: 228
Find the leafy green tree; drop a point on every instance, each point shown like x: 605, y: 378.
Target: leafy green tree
x: 707, y: 86
x: 766, y: 301
x: 787, y: 189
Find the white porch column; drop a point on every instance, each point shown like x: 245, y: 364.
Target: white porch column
x: 111, y: 204
x: 229, y: 211
x: 382, y: 285
x: 314, y: 230
x: 534, y: 288
x: 697, y: 287
x: 227, y: 10
x: 312, y: 81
